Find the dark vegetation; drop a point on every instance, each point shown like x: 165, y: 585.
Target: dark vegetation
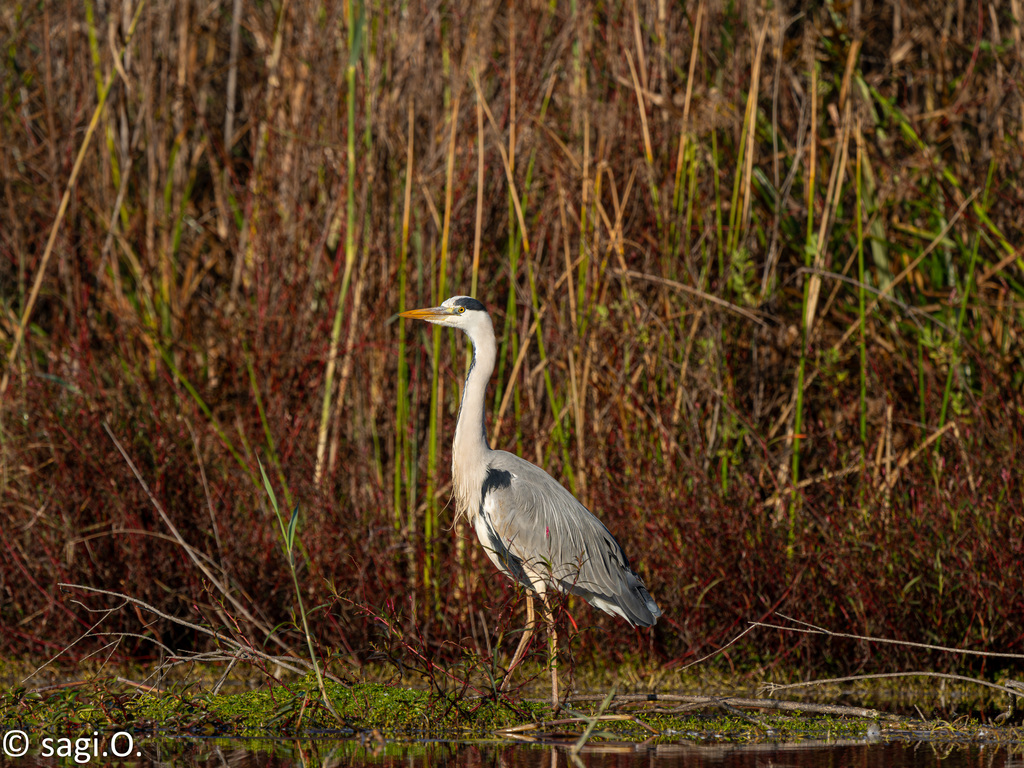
x: 759, y: 294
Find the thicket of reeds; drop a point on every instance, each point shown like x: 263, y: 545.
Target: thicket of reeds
x: 756, y: 272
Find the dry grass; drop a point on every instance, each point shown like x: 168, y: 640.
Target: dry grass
x: 665, y: 228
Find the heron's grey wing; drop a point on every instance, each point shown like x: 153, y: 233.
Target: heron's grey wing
x: 546, y: 533
x: 495, y: 498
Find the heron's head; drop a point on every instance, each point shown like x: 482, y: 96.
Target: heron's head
x: 457, y: 312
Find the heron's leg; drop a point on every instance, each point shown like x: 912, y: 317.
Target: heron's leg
x: 549, y: 618
x: 524, y: 641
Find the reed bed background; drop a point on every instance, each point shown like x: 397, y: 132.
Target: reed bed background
x: 756, y: 274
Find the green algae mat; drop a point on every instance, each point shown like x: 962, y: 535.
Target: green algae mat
x: 378, y: 711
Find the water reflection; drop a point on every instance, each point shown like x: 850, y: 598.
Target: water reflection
x: 326, y: 753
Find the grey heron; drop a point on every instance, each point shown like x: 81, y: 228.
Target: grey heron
x: 532, y: 529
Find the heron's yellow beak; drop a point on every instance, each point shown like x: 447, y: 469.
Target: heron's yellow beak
x: 429, y: 313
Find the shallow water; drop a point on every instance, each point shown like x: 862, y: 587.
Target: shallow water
x: 243, y: 753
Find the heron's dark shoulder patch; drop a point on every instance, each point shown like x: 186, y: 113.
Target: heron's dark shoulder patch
x: 495, y: 480
x: 470, y: 303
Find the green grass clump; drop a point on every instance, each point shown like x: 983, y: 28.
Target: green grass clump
x: 362, y: 707
x: 394, y: 712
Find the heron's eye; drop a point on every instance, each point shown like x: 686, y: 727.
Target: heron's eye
x: 461, y: 310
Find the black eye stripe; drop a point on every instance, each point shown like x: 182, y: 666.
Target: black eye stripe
x: 467, y: 302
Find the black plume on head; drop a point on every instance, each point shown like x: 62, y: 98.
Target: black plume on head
x: 471, y: 304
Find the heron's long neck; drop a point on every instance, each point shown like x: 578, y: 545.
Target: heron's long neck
x: 471, y: 429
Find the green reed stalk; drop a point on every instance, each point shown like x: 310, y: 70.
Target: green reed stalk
x: 685, y: 156
x: 433, y: 450
x: 94, y: 47
x: 590, y: 243
x: 557, y: 433
x: 719, y: 236
x: 478, y: 221
x: 954, y: 362
x: 861, y: 289
x: 411, y: 457
x: 580, y: 77
x: 921, y: 388
x: 509, y: 334
x: 288, y: 547
x: 430, y: 522
x: 402, y: 401
x: 680, y: 200
x: 94, y: 53
x: 809, y: 250
x: 592, y: 722
x: 735, y: 218
x: 368, y: 233
x: 271, y: 449
x: 589, y: 230
x: 355, y: 29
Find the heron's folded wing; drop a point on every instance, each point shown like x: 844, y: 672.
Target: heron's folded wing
x: 552, y: 534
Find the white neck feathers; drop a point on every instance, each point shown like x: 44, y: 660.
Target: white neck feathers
x: 470, y: 450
